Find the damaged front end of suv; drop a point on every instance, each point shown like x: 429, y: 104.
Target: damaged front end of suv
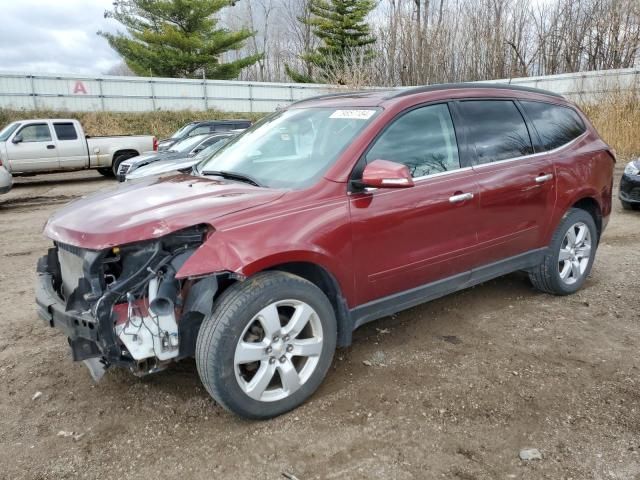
x: 124, y: 305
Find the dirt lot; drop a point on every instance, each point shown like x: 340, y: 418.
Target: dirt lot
x: 452, y: 389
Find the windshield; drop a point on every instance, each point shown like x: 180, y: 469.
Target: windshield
x: 211, y: 149
x: 291, y: 148
x: 188, y: 144
x: 182, y: 132
x: 7, y: 131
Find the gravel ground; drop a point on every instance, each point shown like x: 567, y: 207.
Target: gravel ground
x: 452, y: 389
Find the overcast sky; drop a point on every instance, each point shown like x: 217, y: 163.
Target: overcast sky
x: 55, y: 36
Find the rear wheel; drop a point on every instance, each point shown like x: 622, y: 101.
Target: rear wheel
x: 567, y: 264
x: 107, y: 171
x: 267, y: 345
x: 118, y: 159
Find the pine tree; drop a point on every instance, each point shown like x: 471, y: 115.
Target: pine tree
x: 344, y: 33
x: 176, y: 38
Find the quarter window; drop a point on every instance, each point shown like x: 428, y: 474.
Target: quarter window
x: 556, y: 125
x: 36, y: 132
x: 65, y: 131
x: 495, y: 130
x: 423, y: 139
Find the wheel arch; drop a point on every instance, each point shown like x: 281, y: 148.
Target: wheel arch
x: 591, y: 206
x: 124, y: 151
x: 325, y: 281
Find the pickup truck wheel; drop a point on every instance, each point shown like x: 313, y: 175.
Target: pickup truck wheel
x: 118, y: 159
x: 107, y: 171
x: 567, y: 264
x: 267, y: 344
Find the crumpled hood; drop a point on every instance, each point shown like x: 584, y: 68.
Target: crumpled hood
x: 151, y: 208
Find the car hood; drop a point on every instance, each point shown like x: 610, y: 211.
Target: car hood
x: 152, y: 157
x: 151, y: 208
x: 162, y: 166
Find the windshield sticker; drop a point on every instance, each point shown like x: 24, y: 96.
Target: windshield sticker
x: 353, y: 114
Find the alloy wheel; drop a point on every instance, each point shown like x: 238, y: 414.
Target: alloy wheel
x: 278, y: 350
x: 575, y: 253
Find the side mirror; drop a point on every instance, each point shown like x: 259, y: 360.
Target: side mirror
x: 386, y: 174
x: 17, y: 139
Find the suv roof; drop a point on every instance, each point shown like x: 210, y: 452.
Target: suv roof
x: 376, y: 97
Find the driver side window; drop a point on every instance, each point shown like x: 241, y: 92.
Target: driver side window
x: 36, y: 132
x: 423, y: 139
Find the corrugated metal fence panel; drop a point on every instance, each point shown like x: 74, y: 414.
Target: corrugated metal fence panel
x: 583, y: 86
x: 140, y: 94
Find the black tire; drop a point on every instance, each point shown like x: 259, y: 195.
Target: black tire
x: 117, y: 160
x: 106, y: 172
x: 627, y: 205
x: 546, y: 276
x: 232, y: 313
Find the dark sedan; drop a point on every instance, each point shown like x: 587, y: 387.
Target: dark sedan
x: 630, y: 186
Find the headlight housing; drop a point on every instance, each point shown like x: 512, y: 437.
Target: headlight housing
x: 632, y: 168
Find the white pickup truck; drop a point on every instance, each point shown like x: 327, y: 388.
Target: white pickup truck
x: 54, y: 145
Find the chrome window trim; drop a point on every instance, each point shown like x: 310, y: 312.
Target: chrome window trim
x: 441, y: 174
x: 533, y: 155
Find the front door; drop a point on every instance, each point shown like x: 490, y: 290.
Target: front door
x: 516, y: 187
x: 405, y: 238
x: 34, y: 150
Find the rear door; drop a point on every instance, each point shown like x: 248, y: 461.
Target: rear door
x: 405, y: 238
x: 32, y: 148
x: 72, y: 149
x: 516, y: 186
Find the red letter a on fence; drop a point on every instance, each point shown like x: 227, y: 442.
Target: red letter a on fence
x: 79, y: 88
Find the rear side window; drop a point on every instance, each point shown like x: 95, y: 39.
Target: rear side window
x: 556, y: 125
x: 65, y: 131
x: 201, y: 130
x: 495, y: 130
x: 423, y: 139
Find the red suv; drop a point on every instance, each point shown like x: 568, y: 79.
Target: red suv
x: 334, y: 212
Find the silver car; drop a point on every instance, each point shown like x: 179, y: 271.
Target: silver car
x: 6, y: 180
x: 181, y: 164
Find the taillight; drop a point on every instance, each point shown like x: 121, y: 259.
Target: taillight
x: 155, y: 144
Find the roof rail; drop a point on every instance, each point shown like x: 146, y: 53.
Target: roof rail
x: 341, y: 94
x: 447, y: 86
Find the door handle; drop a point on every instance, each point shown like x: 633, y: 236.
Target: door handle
x: 544, y: 178
x: 461, y: 197
x: 51, y: 147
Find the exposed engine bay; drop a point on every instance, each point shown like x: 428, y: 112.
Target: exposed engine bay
x: 124, y: 306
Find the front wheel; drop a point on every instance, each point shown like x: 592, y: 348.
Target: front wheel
x: 267, y: 345
x: 569, y: 259
x: 106, y: 171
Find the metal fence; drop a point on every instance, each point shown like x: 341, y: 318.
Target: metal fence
x: 142, y: 94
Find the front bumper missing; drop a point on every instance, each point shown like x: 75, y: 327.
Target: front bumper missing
x: 79, y: 328
x: 87, y: 338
